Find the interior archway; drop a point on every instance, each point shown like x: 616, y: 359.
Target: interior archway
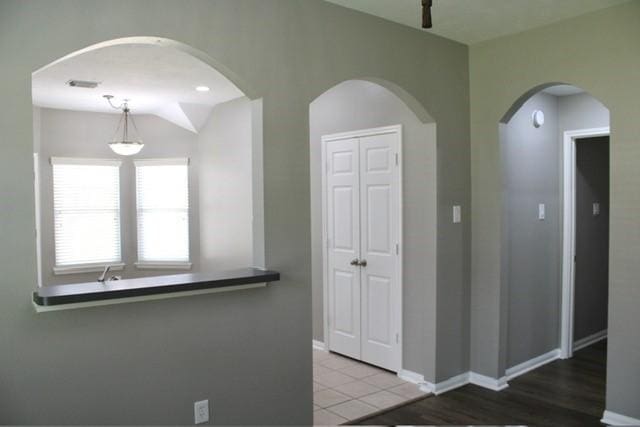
x: 538, y: 241
x: 366, y: 103
x: 187, y: 106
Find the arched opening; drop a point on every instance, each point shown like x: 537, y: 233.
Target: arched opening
x: 555, y: 167
x: 190, y: 200
x: 363, y: 133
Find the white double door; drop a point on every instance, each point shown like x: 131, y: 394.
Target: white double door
x: 363, y: 227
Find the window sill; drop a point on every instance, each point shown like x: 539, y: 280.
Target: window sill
x: 87, y: 268
x: 161, y: 265
x: 66, y: 297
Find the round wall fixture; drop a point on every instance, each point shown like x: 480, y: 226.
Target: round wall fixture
x: 538, y: 118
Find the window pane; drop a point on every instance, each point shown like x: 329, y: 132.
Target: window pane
x: 86, y: 199
x: 163, y: 211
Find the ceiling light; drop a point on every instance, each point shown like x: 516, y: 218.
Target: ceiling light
x: 124, y: 146
x: 202, y: 88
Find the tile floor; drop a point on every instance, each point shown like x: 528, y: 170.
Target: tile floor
x: 344, y: 389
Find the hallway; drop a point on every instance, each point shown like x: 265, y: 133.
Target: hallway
x: 565, y: 392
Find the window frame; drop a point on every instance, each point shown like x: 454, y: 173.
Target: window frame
x: 163, y: 264
x: 86, y: 267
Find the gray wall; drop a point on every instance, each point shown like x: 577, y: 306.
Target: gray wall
x: 532, y: 253
x: 532, y: 249
x: 591, y: 293
x: 85, y: 134
x: 225, y: 159
x: 605, y: 64
x: 145, y: 363
x: 356, y: 105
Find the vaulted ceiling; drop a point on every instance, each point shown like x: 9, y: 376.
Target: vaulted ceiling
x: 473, y: 21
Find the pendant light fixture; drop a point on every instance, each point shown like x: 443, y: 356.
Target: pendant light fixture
x: 124, y: 146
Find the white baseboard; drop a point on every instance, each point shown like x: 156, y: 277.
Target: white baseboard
x: 488, y: 382
x: 532, y: 364
x: 446, y: 385
x: 591, y: 339
x: 318, y: 345
x: 410, y: 376
x: 614, y: 419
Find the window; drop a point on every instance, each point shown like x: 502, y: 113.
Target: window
x: 162, y: 193
x: 86, y: 214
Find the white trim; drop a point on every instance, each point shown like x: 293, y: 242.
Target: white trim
x: 82, y: 161
x: 615, y: 419
x: 411, y: 377
x: 325, y: 247
x: 38, y: 216
x: 178, y: 161
x: 488, y: 382
x: 87, y: 268
x: 532, y: 364
x: 163, y: 265
x: 318, y: 345
x: 568, y: 238
x: 61, y: 307
x: 591, y: 339
x: 446, y: 385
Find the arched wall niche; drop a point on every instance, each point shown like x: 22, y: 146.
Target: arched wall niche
x: 532, y: 168
x: 366, y: 103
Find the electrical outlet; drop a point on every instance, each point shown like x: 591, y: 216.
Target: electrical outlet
x: 201, y: 411
x: 457, y: 214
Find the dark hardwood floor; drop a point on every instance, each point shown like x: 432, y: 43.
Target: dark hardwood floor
x: 565, y: 392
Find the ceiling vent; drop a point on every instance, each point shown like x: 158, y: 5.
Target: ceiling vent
x: 83, y: 84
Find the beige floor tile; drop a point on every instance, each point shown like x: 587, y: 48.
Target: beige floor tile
x: 328, y: 397
x: 320, y: 370
x: 360, y: 370
x: 383, y: 399
x: 320, y: 355
x: 357, y: 389
x: 333, y: 379
x: 383, y: 380
x: 408, y: 390
x: 353, y: 409
x: 318, y: 387
x: 326, y: 418
x: 316, y: 408
x: 338, y: 362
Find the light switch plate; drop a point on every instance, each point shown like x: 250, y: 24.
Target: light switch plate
x: 541, y: 212
x: 201, y: 411
x: 457, y: 214
x: 596, y: 209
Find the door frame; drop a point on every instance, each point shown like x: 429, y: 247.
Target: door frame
x: 568, y: 233
x: 398, y: 289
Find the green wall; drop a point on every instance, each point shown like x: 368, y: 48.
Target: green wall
x: 599, y: 52
x: 248, y: 352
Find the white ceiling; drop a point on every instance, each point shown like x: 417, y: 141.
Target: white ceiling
x: 563, y: 90
x: 473, y: 21
x: 157, y: 80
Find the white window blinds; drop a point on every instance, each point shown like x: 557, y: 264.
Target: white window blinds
x: 86, y: 204
x: 162, y: 194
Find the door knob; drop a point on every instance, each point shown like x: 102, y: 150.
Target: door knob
x: 355, y: 262
x: 363, y: 263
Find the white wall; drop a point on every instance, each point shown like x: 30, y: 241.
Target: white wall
x: 355, y: 105
x: 85, y: 134
x: 225, y: 164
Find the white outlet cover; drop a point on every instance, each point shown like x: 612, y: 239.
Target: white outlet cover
x: 201, y: 411
x: 596, y: 209
x: 541, y: 212
x: 457, y: 214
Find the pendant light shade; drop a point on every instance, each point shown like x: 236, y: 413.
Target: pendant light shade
x: 124, y: 145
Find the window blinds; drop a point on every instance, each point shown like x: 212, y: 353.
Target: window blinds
x: 162, y: 196
x: 86, y: 201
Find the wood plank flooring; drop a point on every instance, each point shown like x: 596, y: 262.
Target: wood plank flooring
x: 565, y: 392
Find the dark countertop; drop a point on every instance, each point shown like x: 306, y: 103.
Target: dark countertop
x: 96, y: 291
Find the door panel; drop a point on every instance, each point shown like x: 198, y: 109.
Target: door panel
x: 379, y: 223
x: 343, y: 212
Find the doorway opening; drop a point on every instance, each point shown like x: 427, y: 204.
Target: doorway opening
x: 373, y: 247
x: 555, y: 163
